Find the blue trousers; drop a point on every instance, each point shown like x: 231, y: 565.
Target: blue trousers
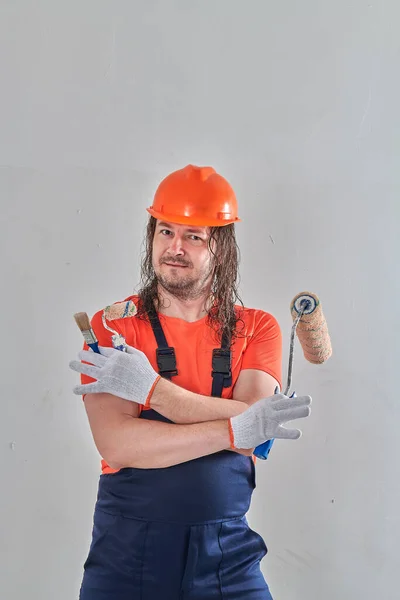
x: 178, y: 533
x: 132, y: 559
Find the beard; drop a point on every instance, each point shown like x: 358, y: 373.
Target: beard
x: 184, y: 287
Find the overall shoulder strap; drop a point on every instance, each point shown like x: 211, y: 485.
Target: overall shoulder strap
x: 166, y: 359
x: 165, y: 354
x: 221, y: 367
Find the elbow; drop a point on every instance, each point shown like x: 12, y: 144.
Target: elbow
x: 126, y: 445
x: 116, y: 458
x: 111, y: 453
x: 112, y: 459
x: 119, y: 458
x: 111, y: 456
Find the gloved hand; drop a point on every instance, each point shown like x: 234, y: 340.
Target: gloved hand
x: 264, y: 420
x: 128, y: 374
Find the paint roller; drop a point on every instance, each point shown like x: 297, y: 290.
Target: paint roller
x: 310, y: 325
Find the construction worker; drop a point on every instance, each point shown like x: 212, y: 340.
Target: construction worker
x: 176, y: 415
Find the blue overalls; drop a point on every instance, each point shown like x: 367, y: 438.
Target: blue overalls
x: 177, y: 533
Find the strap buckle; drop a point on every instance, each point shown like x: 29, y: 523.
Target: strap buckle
x: 221, y: 365
x: 166, y: 361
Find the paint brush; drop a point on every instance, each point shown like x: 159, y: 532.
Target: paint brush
x: 82, y: 320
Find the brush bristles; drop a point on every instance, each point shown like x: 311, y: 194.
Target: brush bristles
x: 82, y: 320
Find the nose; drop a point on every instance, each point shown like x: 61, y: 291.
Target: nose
x: 176, y: 246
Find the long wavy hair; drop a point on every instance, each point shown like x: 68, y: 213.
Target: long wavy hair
x: 223, y: 318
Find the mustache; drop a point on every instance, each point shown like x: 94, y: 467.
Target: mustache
x: 175, y: 261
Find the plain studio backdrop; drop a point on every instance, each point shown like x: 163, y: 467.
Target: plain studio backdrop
x: 297, y: 105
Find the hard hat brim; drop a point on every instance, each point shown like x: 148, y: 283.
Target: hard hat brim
x: 196, y: 221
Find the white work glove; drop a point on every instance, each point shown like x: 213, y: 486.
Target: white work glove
x: 264, y: 420
x: 128, y: 374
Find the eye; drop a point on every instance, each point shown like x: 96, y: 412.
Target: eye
x: 195, y: 240
x: 165, y: 231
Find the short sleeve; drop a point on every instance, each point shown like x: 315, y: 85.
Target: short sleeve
x: 104, y: 336
x: 264, y: 349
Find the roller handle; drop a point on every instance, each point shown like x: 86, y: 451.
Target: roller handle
x: 263, y: 450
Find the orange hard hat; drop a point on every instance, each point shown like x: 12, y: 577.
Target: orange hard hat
x: 195, y: 196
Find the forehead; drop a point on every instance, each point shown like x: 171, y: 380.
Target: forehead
x: 182, y: 228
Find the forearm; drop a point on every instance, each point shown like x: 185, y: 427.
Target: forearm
x: 147, y: 444
x: 185, y: 407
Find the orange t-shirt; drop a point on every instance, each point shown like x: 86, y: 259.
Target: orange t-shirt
x: 259, y: 345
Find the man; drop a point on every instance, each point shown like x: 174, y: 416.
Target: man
x: 178, y: 472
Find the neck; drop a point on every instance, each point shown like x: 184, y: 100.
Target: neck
x: 188, y: 310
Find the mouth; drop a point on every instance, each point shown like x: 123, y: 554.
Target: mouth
x: 175, y: 265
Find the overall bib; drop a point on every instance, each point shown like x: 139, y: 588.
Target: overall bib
x: 177, y: 533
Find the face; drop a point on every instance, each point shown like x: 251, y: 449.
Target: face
x: 182, y: 260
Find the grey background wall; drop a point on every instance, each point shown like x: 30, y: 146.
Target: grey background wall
x: 296, y: 103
